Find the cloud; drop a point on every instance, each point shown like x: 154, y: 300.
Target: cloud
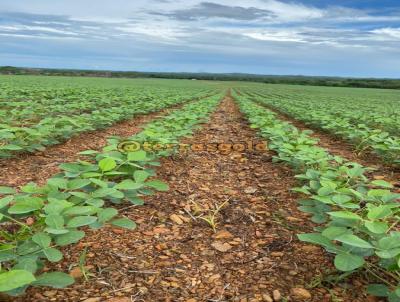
x: 206, y: 10
x: 387, y: 34
x: 42, y: 26
x: 158, y: 32
x: 262, y: 10
x: 183, y: 34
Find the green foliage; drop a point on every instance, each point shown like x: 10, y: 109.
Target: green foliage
x: 82, y: 195
x: 358, y: 218
x: 295, y: 80
x: 37, y: 112
x: 367, y: 118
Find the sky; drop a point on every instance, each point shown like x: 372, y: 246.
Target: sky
x: 357, y: 38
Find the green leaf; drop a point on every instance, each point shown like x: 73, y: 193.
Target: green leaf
x: 26, y: 206
x: 378, y: 290
x: 31, y: 188
x: 57, y: 206
x: 98, y: 203
x: 158, y: 185
x: 28, y: 247
x: 389, y: 247
x: 70, y: 167
x: 42, y: 239
x: 140, y: 176
x: 69, y: 238
x: 99, y: 182
x: 389, y: 242
x: 107, y: 214
x: 315, y: 238
x: 27, y: 264
x: 7, y: 190
x: 137, y: 156
x: 328, y: 183
x: 354, y: 240
x: 91, y: 174
x: 387, y: 254
x: 341, y: 199
x: 54, y: 279
x: 325, y: 191
x: 14, y: 279
x: 394, y: 297
x: 79, y: 210
x: 11, y: 147
x: 58, y: 182
x: 7, y: 254
x: 55, y: 231
x: 103, y: 192
x: 80, y: 195
x: 52, y: 254
x: 344, y: 215
x: 124, y: 223
x: 377, y: 227
x: 128, y: 184
x: 382, y: 184
x: 5, y: 201
x: 136, y: 200
x: 378, y: 193
x: 348, y: 262
x: 379, y: 212
x: 333, y: 232
x: 88, y: 152
x: 81, y: 221
x: 107, y: 164
x: 55, y: 221
x: 78, y: 183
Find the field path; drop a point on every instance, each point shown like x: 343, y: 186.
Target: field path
x: 40, y: 166
x: 175, y: 256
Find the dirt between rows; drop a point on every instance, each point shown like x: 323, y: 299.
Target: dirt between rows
x: 174, y: 255
x: 338, y: 146
x: 40, y: 166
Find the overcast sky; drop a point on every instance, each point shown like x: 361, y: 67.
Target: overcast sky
x: 345, y: 38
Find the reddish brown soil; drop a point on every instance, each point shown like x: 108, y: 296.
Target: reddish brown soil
x: 38, y: 167
x: 345, y: 149
x: 174, y: 255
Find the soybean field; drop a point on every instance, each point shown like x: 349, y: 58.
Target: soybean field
x: 125, y: 190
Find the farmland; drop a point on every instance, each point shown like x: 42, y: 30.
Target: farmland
x: 196, y: 214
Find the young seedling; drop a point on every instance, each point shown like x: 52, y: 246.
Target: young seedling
x: 82, y: 262
x: 211, y: 216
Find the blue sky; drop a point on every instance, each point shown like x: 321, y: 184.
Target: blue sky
x: 308, y: 37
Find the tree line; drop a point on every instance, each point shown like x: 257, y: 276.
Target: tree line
x: 272, y: 79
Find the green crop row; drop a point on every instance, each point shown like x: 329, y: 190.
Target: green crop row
x: 87, y: 109
x: 357, y: 218
x: 28, y: 106
x: 325, y: 116
x: 38, y: 220
x: 378, y: 109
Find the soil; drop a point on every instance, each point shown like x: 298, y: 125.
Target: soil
x: 174, y: 254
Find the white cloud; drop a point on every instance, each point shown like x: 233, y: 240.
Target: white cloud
x: 281, y: 36
x: 154, y: 31
x: 25, y: 36
x: 264, y: 28
x: 387, y: 34
x: 38, y: 29
x: 291, y: 12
